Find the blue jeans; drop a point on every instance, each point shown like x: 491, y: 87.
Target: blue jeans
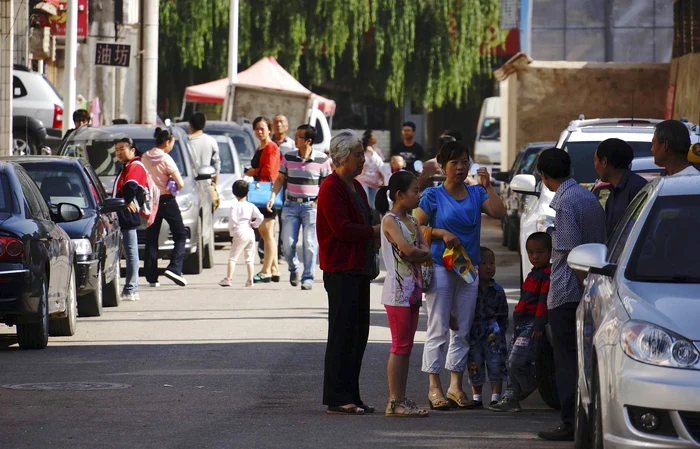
x: 371, y: 194
x: 131, y: 248
x: 294, y: 216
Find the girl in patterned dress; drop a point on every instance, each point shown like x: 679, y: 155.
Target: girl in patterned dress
x: 403, y: 250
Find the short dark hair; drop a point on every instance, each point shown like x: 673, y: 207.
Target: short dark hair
x: 618, y: 153
x: 451, y: 151
x: 485, y: 250
x: 676, y: 134
x: 240, y: 188
x: 454, y: 133
x: 309, y: 132
x: 555, y: 163
x: 410, y: 125
x: 81, y: 115
x: 365, y: 138
x: 399, y: 182
x: 198, y: 121
x: 540, y: 237
x: 262, y: 119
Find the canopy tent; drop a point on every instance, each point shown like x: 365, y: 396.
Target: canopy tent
x: 264, y: 74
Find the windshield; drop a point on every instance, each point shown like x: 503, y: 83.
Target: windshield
x: 60, y: 183
x: 245, y: 148
x: 582, y: 168
x: 491, y: 129
x: 668, y: 249
x: 5, y: 197
x: 227, y: 166
x: 99, y: 152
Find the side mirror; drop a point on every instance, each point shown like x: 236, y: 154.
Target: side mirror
x: 502, y: 176
x: 591, y: 258
x: 69, y: 212
x: 206, y: 172
x: 112, y: 205
x: 418, y: 166
x: 525, y: 184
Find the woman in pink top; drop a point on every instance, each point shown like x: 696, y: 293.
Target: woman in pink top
x: 371, y: 177
x: 161, y: 166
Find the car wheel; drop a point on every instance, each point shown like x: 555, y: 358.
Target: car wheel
x: 597, y: 415
x: 504, y: 230
x: 193, y: 263
x: 582, y: 432
x: 513, y: 235
x: 91, y: 303
x: 111, y: 291
x: 24, y: 144
x: 36, y: 335
x: 209, y: 252
x: 65, y: 327
x: 546, y: 382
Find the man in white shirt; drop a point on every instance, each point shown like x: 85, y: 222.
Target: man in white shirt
x: 280, y: 126
x: 670, y: 148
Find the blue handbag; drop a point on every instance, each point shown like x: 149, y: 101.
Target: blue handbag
x: 259, y: 194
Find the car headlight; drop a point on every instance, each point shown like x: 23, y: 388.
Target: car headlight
x: 83, y: 247
x: 185, y: 203
x: 652, y: 344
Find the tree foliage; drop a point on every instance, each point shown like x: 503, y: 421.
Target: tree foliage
x: 427, y: 50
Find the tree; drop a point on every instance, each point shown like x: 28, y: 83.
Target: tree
x: 426, y: 50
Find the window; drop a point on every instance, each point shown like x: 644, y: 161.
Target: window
x: 61, y: 184
x: 5, y: 195
x: 18, y: 89
x: 490, y: 129
x: 97, y: 184
x: 227, y: 166
x: 618, y: 240
x: 581, y: 153
x: 319, y: 132
x: 35, y: 209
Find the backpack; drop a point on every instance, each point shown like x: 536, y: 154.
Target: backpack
x: 151, y: 198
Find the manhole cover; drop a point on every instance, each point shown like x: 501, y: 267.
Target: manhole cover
x: 67, y: 386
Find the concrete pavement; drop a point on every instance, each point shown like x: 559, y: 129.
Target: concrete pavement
x: 214, y: 367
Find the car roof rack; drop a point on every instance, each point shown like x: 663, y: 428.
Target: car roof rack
x: 582, y: 123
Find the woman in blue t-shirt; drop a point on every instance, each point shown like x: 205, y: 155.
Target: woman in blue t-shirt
x: 453, y: 211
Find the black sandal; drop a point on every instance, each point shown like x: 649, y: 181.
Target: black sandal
x: 275, y: 278
x: 366, y: 408
x: 337, y: 410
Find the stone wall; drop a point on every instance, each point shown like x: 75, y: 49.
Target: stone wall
x: 685, y: 74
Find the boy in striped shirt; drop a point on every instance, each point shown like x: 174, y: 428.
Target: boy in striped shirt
x: 529, y: 319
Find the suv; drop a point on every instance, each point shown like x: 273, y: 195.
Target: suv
x: 580, y: 139
x: 97, y: 146
x: 37, y: 110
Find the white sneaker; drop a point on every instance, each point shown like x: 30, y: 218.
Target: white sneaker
x: 176, y: 278
x: 130, y: 297
x: 154, y: 284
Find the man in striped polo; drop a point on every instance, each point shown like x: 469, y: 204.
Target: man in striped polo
x: 303, y: 170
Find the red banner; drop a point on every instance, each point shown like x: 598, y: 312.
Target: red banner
x: 58, y: 23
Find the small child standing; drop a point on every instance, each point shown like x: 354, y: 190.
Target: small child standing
x: 529, y: 319
x: 487, y: 338
x: 242, y: 218
x: 403, y: 250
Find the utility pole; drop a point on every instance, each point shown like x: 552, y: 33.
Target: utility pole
x: 20, y: 30
x: 71, y: 61
x: 227, y: 113
x: 149, y: 61
x: 6, y: 20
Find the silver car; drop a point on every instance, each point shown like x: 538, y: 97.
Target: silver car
x: 97, y: 146
x: 231, y: 172
x: 637, y: 324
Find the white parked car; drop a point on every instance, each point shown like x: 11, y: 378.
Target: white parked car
x: 637, y: 324
x: 580, y: 140
x: 231, y: 171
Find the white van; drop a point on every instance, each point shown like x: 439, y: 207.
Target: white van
x: 487, y: 146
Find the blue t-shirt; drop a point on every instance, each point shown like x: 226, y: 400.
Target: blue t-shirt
x: 462, y: 218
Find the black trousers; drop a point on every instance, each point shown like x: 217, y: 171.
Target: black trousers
x: 563, y: 323
x: 348, y: 330
x: 169, y: 211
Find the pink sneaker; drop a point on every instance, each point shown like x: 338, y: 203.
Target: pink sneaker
x: 225, y: 282
x: 248, y: 283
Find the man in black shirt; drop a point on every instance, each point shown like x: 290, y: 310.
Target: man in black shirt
x: 612, y: 161
x: 409, y: 149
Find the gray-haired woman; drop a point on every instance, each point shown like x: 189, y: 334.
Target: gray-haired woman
x: 346, y: 243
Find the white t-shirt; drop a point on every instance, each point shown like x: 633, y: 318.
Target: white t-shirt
x: 689, y: 171
x: 243, y: 217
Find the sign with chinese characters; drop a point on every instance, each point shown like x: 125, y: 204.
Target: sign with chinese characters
x: 58, y: 23
x: 116, y: 55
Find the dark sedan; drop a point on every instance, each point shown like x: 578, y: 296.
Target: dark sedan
x: 38, y: 293
x: 96, y: 236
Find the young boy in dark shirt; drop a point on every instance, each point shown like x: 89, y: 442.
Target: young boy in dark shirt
x: 529, y: 319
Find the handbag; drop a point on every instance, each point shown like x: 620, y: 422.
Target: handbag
x: 215, y: 200
x: 427, y: 268
x: 259, y: 195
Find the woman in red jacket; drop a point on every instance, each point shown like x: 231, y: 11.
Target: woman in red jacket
x: 346, y: 252
x: 265, y: 168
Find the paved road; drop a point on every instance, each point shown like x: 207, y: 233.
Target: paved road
x: 209, y: 367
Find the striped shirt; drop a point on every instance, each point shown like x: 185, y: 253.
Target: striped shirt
x: 304, y: 176
x: 533, y: 301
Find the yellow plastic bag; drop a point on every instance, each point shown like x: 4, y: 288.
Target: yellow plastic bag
x: 456, y: 259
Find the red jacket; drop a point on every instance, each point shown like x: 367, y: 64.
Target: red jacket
x: 269, y: 165
x: 340, y: 228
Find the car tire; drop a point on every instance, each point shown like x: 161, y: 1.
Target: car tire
x: 582, y: 431
x: 65, y: 327
x: 24, y: 143
x: 209, y: 252
x: 194, y: 262
x: 546, y: 382
x: 596, y: 415
x: 513, y: 232
x: 36, y: 335
x: 91, y: 303
x: 504, y: 231
x: 111, y: 292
